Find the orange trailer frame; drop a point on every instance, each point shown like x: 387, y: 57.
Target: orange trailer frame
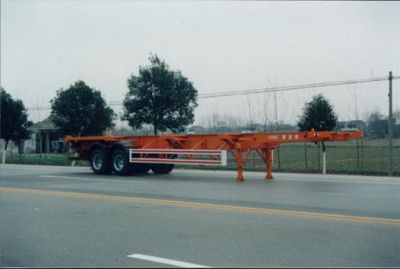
x: 238, y: 144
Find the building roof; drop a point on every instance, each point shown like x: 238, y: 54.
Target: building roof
x: 46, y: 124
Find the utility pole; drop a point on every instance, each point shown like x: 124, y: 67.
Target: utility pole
x: 390, y: 172
x: 277, y: 129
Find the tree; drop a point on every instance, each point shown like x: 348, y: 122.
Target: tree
x: 81, y: 110
x: 396, y: 124
x: 377, y: 125
x: 161, y: 97
x: 14, y: 121
x: 318, y: 114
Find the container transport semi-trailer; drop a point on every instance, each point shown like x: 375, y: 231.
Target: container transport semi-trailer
x: 124, y: 155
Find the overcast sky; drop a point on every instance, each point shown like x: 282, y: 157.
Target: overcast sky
x: 219, y: 46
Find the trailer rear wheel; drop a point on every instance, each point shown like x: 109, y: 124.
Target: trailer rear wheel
x: 99, y: 162
x: 120, y: 162
x: 162, y: 168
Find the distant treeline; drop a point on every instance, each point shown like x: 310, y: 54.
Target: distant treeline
x: 376, y: 126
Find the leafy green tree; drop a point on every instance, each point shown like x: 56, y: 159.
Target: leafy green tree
x: 160, y: 97
x: 14, y: 121
x: 81, y: 110
x: 318, y: 114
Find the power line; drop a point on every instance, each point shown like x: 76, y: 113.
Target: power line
x: 294, y: 87
x: 263, y: 90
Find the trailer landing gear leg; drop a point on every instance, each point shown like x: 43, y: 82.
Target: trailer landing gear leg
x: 268, y: 162
x: 239, y: 163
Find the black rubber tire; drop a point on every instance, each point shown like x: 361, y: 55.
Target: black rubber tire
x: 162, y: 168
x: 120, y: 162
x: 139, y: 168
x: 100, y: 163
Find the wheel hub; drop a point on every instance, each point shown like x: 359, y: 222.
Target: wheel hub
x: 118, y: 163
x: 97, y: 161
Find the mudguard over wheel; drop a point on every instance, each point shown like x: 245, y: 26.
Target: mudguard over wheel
x: 161, y: 168
x: 120, y: 162
x: 99, y: 161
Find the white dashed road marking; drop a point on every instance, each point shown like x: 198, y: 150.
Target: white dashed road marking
x: 64, y: 177
x: 166, y: 261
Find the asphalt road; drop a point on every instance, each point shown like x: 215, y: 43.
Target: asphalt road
x: 69, y: 217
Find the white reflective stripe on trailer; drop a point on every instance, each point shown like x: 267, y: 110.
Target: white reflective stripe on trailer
x: 175, y: 161
x: 189, y: 161
x: 178, y: 151
x: 224, y: 158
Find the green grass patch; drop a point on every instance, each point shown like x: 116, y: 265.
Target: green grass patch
x: 43, y: 159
